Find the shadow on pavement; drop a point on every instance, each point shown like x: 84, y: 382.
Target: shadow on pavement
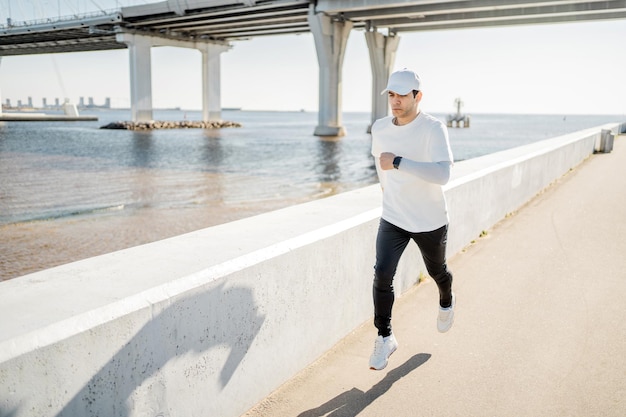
x: 350, y: 403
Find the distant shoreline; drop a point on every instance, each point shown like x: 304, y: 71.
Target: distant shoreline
x: 241, y: 109
x: 158, y: 124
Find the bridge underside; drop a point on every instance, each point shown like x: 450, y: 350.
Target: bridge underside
x: 231, y: 20
x: 198, y: 23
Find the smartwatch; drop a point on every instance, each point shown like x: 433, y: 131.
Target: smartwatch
x: 396, y: 161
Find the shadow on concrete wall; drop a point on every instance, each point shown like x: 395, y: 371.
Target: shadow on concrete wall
x: 12, y: 413
x: 351, y: 403
x: 224, y: 318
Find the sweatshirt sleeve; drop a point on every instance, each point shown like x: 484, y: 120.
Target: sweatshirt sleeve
x: 435, y: 172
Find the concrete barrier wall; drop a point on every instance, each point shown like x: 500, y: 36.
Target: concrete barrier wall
x: 209, y: 323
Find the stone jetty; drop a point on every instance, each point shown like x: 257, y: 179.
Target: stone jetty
x: 183, y: 124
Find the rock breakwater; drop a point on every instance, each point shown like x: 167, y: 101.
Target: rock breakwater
x: 183, y: 124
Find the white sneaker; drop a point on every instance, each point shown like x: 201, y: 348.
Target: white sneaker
x: 383, y: 348
x: 446, y: 317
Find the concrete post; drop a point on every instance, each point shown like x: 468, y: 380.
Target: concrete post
x: 211, y: 81
x: 331, y: 37
x: 140, y: 75
x: 382, y: 49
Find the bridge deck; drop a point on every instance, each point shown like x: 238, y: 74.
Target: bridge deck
x: 231, y: 20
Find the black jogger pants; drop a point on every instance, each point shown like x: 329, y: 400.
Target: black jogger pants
x: 390, y: 244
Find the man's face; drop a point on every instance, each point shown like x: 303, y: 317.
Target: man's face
x: 403, y: 106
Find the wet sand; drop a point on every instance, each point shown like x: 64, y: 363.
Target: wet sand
x: 34, y: 246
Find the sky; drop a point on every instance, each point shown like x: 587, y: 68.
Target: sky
x: 565, y: 68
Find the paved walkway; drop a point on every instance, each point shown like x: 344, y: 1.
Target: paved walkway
x: 540, y: 327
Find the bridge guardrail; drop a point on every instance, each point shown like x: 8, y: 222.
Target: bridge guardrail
x: 51, y: 20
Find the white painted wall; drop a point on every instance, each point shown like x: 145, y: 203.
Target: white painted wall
x: 210, y: 322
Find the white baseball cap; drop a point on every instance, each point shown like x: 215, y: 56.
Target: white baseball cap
x: 403, y: 82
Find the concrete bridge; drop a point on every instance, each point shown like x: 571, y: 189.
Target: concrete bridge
x: 211, y: 26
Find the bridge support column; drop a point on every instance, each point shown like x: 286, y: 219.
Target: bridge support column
x: 140, y: 75
x: 0, y: 91
x: 211, y: 81
x: 382, y: 49
x: 331, y: 37
x: 141, y: 78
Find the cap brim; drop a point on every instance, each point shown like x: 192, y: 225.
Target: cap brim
x: 396, y: 90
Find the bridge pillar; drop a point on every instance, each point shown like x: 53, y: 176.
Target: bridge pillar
x: 141, y: 79
x: 0, y: 91
x: 140, y: 75
x: 211, y: 81
x: 330, y: 38
x: 382, y: 49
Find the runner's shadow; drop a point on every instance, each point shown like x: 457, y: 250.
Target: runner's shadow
x: 351, y: 403
x: 192, y: 326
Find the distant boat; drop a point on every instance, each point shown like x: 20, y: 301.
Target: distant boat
x: 231, y: 108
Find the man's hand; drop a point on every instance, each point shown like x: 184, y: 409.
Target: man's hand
x: 386, y: 160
